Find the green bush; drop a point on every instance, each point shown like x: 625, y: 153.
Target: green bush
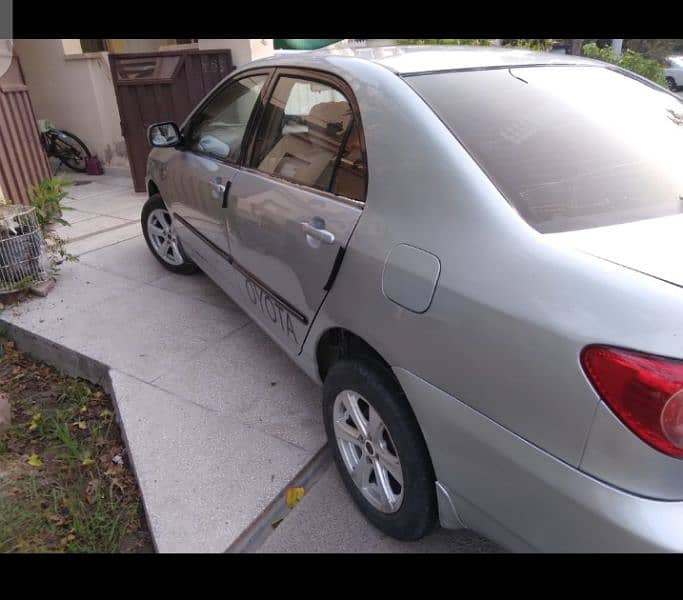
x: 540, y: 45
x: 47, y: 199
x: 633, y: 61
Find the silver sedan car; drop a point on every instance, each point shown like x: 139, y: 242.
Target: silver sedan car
x: 673, y: 71
x: 478, y: 253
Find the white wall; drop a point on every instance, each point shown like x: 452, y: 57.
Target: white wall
x: 242, y: 50
x: 140, y: 45
x: 5, y: 55
x: 75, y: 92
x: 72, y: 46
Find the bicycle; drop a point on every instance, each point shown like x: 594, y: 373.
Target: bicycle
x: 68, y: 148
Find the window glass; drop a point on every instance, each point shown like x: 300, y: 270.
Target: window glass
x: 304, y: 127
x: 570, y: 147
x: 220, y: 127
x: 350, y: 175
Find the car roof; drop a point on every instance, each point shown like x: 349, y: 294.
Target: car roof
x: 407, y: 60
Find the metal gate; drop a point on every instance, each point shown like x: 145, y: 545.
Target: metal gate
x: 23, y: 162
x: 161, y: 86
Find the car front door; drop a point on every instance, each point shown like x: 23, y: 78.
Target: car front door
x: 293, y: 208
x: 204, y: 169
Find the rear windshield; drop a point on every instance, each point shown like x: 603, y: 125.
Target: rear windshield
x: 569, y: 147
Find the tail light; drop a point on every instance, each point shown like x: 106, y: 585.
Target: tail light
x: 644, y: 391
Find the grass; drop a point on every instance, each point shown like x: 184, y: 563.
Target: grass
x: 64, y: 482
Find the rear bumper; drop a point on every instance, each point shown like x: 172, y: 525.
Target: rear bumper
x: 522, y: 497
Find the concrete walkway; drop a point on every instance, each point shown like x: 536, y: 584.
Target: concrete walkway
x: 216, y: 417
x: 327, y: 520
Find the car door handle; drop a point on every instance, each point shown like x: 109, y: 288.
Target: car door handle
x: 316, y: 229
x: 217, y: 188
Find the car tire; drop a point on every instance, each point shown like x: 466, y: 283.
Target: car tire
x: 156, y: 218
x: 671, y: 84
x: 398, y: 437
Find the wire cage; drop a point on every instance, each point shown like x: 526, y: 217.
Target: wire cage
x: 23, y: 254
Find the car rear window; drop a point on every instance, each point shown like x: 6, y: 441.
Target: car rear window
x: 570, y: 147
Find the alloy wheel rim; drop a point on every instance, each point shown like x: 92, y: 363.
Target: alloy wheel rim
x: 163, y: 237
x: 368, y: 451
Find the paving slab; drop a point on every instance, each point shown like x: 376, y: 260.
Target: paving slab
x: 269, y: 393
x: 203, y: 475
x: 74, y: 216
x: 111, y: 204
x: 146, y: 331
x: 197, y: 286
x: 129, y: 211
x: 106, y: 238
x: 129, y: 258
x: 327, y: 520
x: 79, y: 287
x: 88, y: 186
x: 82, y: 228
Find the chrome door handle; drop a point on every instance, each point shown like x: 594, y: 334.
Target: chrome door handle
x: 217, y: 187
x: 315, y: 228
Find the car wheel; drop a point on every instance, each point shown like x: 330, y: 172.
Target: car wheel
x: 671, y: 84
x: 160, y: 235
x: 379, y: 449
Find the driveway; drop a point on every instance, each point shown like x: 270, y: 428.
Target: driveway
x: 218, y: 420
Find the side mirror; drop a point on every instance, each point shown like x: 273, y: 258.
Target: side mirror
x: 164, y: 135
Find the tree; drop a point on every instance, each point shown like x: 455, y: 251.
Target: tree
x: 576, y: 46
x: 655, y: 49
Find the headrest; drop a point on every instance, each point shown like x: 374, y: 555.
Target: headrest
x: 326, y: 113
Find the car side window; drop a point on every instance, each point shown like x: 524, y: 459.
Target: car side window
x: 351, y: 174
x: 307, y: 130
x: 219, y: 128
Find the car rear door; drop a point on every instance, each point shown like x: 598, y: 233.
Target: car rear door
x: 209, y: 159
x: 294, y: 206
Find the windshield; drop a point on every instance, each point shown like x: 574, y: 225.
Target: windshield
x: 570, y: 147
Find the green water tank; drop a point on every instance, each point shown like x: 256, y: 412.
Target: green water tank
x: 301, y: 44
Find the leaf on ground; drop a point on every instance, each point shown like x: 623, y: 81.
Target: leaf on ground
x: 91, y: 491
x: 57, y: 520
x: 34, y: 461
x: 87, y: 461
x: 81, y: 424
x: 294, y: 496
x: 35, y: 421
x: 116, y: 485
x: 274, y: 524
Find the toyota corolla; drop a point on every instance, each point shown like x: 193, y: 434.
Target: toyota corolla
x: 478, y: 254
